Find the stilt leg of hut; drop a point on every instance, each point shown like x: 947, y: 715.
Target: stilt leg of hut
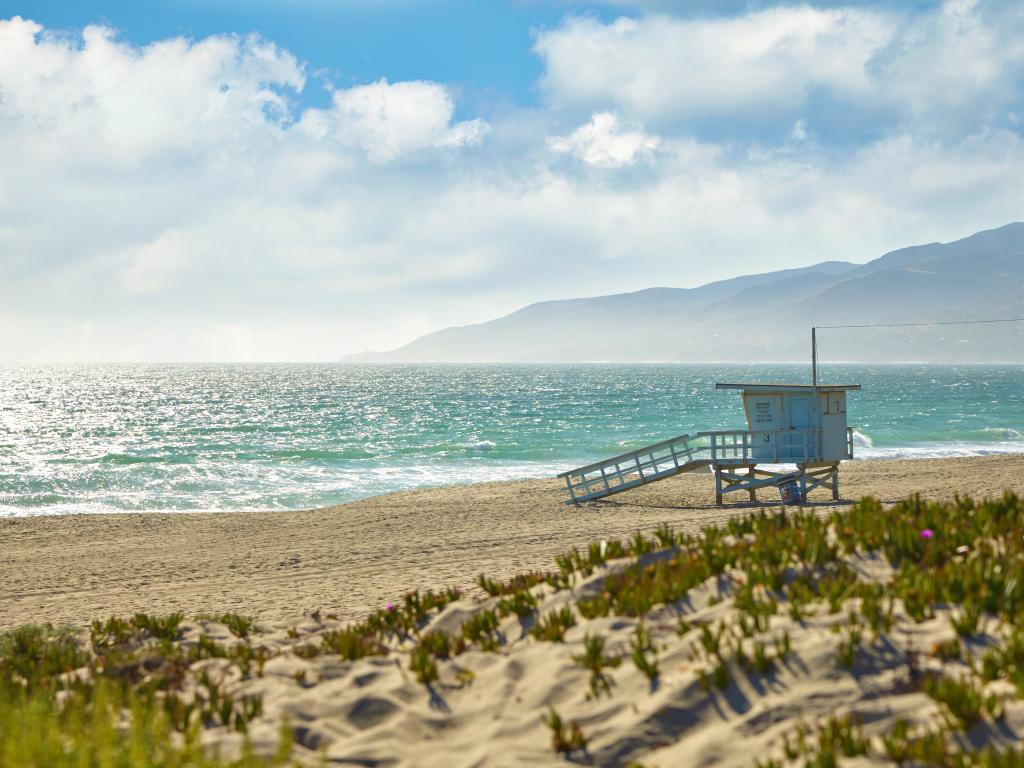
x: 819, y: 477
x: 744, y: 477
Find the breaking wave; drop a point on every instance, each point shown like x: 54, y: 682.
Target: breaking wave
x: 862, y: 440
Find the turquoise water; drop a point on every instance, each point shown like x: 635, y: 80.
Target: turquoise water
x: 115, y: 438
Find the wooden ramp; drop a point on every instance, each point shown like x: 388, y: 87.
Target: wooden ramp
x: 629, y: 470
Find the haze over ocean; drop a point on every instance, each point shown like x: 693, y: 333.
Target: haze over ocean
x: 121, y: 438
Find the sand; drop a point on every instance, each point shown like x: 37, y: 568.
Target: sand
x: 349, y: 559
x: 487, y: 709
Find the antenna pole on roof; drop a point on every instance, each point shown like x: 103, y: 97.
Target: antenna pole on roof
x: 814, y: 356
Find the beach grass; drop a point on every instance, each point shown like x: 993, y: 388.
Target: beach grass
x: 104, y: 723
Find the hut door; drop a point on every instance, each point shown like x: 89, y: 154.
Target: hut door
x: 799, y: 419
x: 799, y: 412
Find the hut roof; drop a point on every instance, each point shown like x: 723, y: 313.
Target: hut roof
x: 808, y: 388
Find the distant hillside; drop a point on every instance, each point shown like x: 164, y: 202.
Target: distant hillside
x: 768, y: 316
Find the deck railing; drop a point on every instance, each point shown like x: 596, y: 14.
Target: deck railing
x: 785, y: 446
x: 772, y: 446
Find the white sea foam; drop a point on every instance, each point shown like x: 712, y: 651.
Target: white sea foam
x: 862, y: 440
x: 939, y: 450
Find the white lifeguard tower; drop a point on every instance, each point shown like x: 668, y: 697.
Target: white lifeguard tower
x: 787, y: 424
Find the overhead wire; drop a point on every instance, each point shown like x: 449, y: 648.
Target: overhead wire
x: 933, y: 322
x: 816, y: 328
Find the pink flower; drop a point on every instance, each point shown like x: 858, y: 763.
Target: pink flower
x: 390, y: 607
x: 927, y: 533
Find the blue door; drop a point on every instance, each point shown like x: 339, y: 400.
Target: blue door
x: 799, y: 419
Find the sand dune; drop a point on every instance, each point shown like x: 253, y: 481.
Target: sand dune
x: 716, y: 668
x: 487, y: 708
x: 355, y: 557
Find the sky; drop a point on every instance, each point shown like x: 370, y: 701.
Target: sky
x: 296, y: 181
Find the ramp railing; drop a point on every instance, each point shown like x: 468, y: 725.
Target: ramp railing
x: 628, y: 470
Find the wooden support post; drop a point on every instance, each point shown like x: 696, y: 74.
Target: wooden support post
x: 752, y: 471
x: 718, y: 486
x: 835, y: 483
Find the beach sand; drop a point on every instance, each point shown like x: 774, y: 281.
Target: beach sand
x: 480, y: 708
x: 349, y: 559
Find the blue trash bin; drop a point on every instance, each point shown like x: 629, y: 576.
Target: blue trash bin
x: 789, y: 489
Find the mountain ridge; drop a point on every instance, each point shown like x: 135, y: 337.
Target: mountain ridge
x: 767, y: 316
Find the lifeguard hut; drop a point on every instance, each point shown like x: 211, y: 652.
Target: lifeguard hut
x: 787, y: 424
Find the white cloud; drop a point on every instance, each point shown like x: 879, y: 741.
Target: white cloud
x: 961, y: 65
x: 659, y: 66
x: 943, y: 68
x: 606, y: 142
x: 182, y: 96
x: 131, y: 102
x: 388, y: 120
x: 152, y: 267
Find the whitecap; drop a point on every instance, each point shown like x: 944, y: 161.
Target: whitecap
x: 1007, y: 433
x: 861, y: 440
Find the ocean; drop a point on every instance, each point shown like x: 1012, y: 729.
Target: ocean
x: 130, y: 438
